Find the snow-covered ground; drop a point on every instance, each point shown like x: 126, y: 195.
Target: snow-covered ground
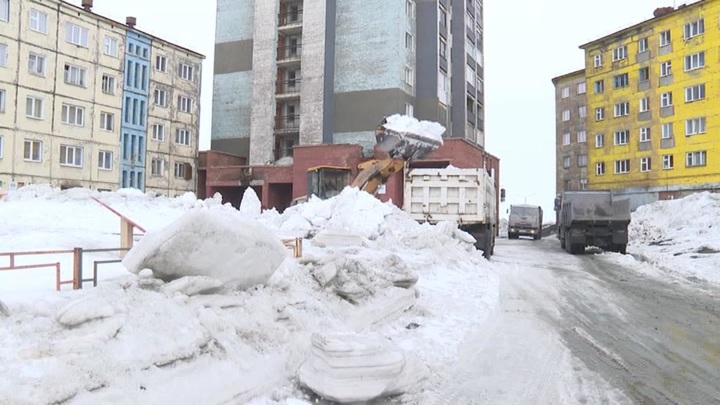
x: 406, y: 294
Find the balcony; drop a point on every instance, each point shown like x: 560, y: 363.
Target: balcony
x: 290, y: 22
x: 288, y: 89
x: 287, y: 123
x: 287, y: 55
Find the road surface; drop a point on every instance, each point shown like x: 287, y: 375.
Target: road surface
x: 585, y: 330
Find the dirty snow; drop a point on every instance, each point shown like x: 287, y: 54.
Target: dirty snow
x: 406, y: 123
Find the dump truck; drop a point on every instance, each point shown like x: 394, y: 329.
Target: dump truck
x: 525, y: 220
x: 592, y: 218
x: 464, y: 196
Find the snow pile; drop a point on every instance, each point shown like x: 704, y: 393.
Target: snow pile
x: 358, y: 367
x: 406, y: 123
x: 680, y: 235
x: 220, y: 244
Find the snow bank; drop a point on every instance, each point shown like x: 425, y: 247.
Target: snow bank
x: 220, y: 244
x: 406, y: 123
x: 681, y: 236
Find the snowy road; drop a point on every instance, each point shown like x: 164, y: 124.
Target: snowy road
x: 585, y: 329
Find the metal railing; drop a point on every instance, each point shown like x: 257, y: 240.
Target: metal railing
x: 287, y: 122
x: 290, y: 18
x: 288, y: 86
x: 289, y: 53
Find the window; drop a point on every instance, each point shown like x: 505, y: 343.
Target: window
x: 108, y: 84
x: 666, y: 99
x: 566, y: 115
x: 442, y: 16
x: 582, y: 160
x: 73, y: 115
x: 665, y: 38
x: 410, y: 8
x: 111, y: 46
x: 622, y: 166
x: 695, y: 159
x: 105, y: 160
x: 32, y: 152
x: 160, y: 63
x: 566, y: 139
x: 622, y: 137
x: 644, y: 74
x: 443, y: 88
x: 409, y: 42
x: 182, y: 137
x: 34, y: 107
x: 621, y: 81
x: 581, y: 88
x: 2, y: 100
x: 694, y: 28
x: 695, y: 126
x: 642, y: 45
x: 668, y: 162
x: 600, y: 168
x: 598, y: 60
x: 158, y: 132
x: 409, y: 110
x: 443, y: 49
x: 599, y: 86
x: 75, y: 75
x: 4, y: 10
x: 184, y: 104
x: 645, y: 164
x: 645, y: 134
x: 3, y: 55
x: 582, y: 111
x: 645, y: 104
x: 599, y: 140
x: 666, y: 130
x: 107, y: 121
x: 566, y: 162
x: 38, y: 21
x: 409, y: 76
x: 36, y: 64
x: 694, y: 93
x: 695, y: 61
x: 180, y: 170
x: 619, y: 53
x: 185, y: 72
x: 71, y: 156
x: 665, y: 69
x: 160, y: 97
x: 622, y: 109
x: 157, y: 167
x: 599, y: 113
x: 583, y: 184
x: 565, y: 92
x: 76, y: 34
x: 582, y: 137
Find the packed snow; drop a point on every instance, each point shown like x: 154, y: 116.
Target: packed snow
x: 406, y: 123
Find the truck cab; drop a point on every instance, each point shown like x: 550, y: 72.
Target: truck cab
x: 525, y: 220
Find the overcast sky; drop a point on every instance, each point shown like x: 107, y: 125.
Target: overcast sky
x: 527, y: 43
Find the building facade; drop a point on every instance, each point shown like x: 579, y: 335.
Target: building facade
x: 653, y: 105
x: 309, y: 72
x: 571, y: 155
x: 74, y: 96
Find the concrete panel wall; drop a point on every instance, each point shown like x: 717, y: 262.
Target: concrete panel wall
x: 234, y: 20
x: 457, y: 81
x: 426, y: 99
x: 232, y: 101
x: 262, y: 123
x: 313, y: 72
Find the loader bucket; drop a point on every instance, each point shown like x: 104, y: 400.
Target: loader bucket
x: 405, y: 145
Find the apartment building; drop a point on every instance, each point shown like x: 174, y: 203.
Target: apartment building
x: 571, y: 156
x: 308, y: 72
x: 652, y: 104
x: 74, y: 90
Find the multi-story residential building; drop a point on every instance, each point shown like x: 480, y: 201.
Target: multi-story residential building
x: 652, y: 105
x: 74, y: 90
x: 309, y: 72
x: 571, y: 159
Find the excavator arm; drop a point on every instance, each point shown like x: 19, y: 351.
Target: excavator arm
x: 375, y: 172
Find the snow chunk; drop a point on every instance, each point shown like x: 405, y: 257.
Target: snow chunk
x: 406, y: 123
x: 83, y: 310
x: 250, y: 203
x: 193, y: 285
x: 346, y: 367
x: 217, y: 243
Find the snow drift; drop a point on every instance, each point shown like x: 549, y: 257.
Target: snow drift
x: 224, y: 245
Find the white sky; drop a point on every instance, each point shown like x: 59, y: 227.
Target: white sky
x: 527, y: 43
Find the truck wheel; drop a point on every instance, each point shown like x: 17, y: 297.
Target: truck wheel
x: 487, y: 249
x: 576, y: 248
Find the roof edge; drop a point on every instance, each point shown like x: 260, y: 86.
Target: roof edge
x: 566, y: 75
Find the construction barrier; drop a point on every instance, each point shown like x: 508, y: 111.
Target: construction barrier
x: 294, y: 244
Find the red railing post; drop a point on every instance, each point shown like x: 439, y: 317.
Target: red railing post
x: 77, y: 268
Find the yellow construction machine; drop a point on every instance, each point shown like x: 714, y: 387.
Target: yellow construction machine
x: 401, y: 147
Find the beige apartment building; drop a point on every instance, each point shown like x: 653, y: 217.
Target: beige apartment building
x: 571, y: 156
x: 74, y: 97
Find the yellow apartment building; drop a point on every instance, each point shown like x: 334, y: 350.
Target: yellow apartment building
x: 654, y: 105
x: 74, y: 91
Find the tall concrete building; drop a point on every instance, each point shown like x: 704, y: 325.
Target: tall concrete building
x: 309, y: 72
x: 92, y: 102
x: 571, y: 156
